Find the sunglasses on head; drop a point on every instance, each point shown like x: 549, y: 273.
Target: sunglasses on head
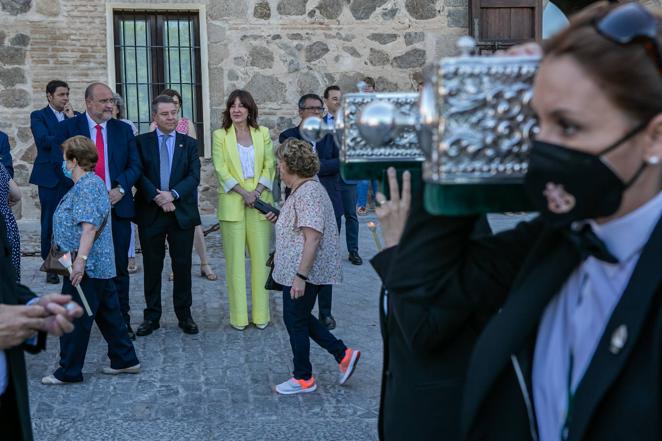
x: 631, y: 23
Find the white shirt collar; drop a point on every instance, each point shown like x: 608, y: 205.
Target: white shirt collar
x: 93, y: 124
x: 627, y: 235
x: 55, y: 111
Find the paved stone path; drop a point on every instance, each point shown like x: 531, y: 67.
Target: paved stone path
x: 217, y: 385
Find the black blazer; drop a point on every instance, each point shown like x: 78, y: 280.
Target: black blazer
x: 423, y: 372
x: 329, y: 173
x: 184, y: 179
x: 123, y: 162
x: 517, y: 273
x: 12, y: 293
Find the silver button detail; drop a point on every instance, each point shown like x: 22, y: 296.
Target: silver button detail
x: 618, y: 339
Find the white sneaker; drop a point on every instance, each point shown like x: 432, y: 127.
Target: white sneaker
x: 51, y: 380
x: 294, y: 386
x: 129, y: 370
x: 262, y: 326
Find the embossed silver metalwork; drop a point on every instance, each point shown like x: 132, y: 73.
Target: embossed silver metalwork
x: 482, y: 122
x: 384, y: 132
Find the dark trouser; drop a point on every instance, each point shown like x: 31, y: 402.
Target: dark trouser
x: 101, y: 295
x: 180, y: 247
x: 10, y: 421
x: 48, y: 199
x: 121, y: 240
x: 348, y: 193
x: 302, y: 326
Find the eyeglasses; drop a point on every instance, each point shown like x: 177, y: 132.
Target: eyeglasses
x: 631, y: 23
x: 108, y: 101
x: 314, y: 109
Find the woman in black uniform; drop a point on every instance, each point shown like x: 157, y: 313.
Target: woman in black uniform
x: 574, y: 348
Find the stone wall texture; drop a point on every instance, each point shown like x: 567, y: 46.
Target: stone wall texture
x: 276, y: 49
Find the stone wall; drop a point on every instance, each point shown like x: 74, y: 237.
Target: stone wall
x: 276, y: 49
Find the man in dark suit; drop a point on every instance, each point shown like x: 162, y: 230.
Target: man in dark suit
x: 47, y: 169
x: 329, y: 176
x: 5, y: 154
x: 23, y: 327
x: 332, y: 95
x: 167, y: 209
x: 118, y: 166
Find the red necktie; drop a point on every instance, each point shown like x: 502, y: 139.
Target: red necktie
x: 100, y: 169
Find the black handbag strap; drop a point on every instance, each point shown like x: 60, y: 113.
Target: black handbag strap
x: 101, y: 227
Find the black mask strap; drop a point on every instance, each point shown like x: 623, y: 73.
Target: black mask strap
x: 638, y: 128
x: 634, y: 178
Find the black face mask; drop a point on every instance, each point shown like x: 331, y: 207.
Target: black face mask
x: 567, y: 185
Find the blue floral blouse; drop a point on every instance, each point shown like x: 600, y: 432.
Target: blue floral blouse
x: 87, y: 201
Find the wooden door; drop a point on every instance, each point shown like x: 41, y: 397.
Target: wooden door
x: 499, y: 24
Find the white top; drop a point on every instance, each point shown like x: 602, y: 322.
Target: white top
x: 247, y: 158
x: 575, y: 320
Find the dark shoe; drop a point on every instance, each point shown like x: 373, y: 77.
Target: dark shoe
x: 355, y: 258
x: 147, y: 327
x: 52, y: 278
x: 189, y: 326
x: 132, y: 335
x: 329, y: 322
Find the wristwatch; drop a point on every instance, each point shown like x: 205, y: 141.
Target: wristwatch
x: 119, y: 187
x: 82, y: 256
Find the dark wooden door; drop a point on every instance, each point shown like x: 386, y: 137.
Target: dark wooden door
x: 498, y: 24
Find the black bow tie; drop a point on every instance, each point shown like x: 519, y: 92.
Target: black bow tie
x: 589, y: 244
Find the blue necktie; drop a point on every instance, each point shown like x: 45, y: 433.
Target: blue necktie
x: 164, y: 166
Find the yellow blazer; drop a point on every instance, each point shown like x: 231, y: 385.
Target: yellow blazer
x: 227, y: 164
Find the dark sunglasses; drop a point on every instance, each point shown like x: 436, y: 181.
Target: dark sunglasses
x: 631, y: 23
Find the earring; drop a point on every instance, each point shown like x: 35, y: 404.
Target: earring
x: 653, y: 160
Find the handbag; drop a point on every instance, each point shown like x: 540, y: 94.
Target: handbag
x: 271, y: 284
x: 52, y: 263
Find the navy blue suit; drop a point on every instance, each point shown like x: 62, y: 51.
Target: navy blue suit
x: 47, y: 171
x: 5, y: 154
x: 349, y: 196
x: 329, y: 176
x: 124, y: 169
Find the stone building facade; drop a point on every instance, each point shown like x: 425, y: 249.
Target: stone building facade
x: 276, y: 49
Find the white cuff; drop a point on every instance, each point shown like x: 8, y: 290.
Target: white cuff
x: 266, y: 183
x: 229, y: 185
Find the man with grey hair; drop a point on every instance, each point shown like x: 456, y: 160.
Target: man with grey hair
x: 167, y: 210
x: 118, y: 166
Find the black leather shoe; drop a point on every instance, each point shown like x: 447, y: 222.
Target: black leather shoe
x: 52, y: 278
x: 132, y: 335
x: 147, y: 327
x: 329, y: 322
x: 189, y: 326
x: 355, y: 258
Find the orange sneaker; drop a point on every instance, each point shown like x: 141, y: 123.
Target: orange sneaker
x: 348, y: 364
x: 294, y: 386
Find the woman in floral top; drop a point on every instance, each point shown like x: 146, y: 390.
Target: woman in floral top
x: 83, y: 211
x: 306, y: 260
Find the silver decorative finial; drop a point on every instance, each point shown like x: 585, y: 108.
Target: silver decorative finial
x: 466, y: 45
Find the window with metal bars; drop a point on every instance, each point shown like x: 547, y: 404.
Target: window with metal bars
x: 157, y: 50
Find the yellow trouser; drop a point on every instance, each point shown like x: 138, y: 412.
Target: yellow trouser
x: 255, y: 232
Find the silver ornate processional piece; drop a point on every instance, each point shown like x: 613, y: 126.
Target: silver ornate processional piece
x: 471, y: 124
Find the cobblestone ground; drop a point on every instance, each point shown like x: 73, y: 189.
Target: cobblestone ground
x: 216, y: 385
